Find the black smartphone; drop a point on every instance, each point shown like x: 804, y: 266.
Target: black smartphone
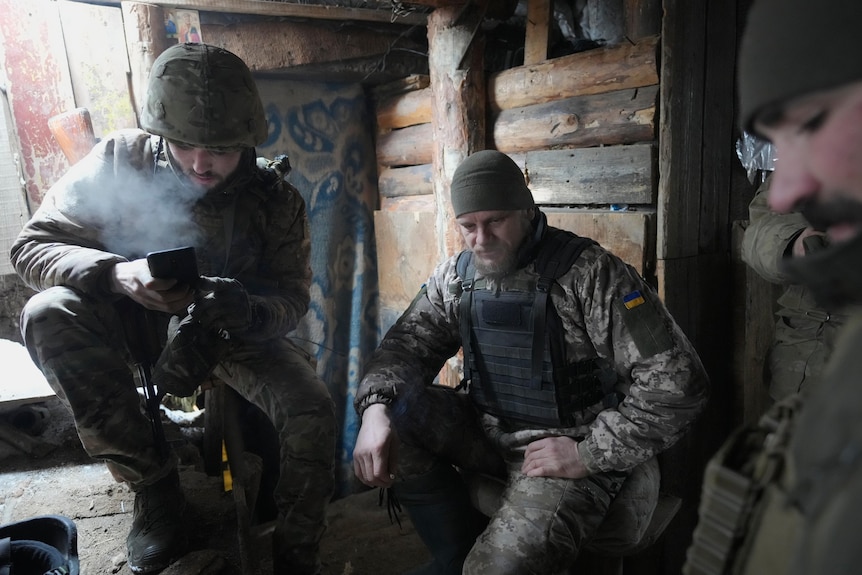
x: 178, y: 263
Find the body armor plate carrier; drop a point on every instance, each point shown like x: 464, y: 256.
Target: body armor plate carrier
x: 514, y: 346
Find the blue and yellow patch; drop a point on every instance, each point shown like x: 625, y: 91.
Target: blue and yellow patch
x: 633, y: 300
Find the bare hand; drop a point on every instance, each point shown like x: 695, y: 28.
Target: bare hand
x: 133, y: 279
x: 375, y: 454
x: 554, y: 457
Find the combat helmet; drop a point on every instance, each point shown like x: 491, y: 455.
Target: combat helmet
x: 203, y: 96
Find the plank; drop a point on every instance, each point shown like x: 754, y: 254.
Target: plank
x: 407, y: 181
x: 609, y: 175
x: 629, y: 235
x: 403, y: 266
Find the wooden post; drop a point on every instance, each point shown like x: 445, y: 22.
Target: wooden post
x: 456, y: 72
x: 144, y: 25
x: 538, y: 30
x: 455, y: 58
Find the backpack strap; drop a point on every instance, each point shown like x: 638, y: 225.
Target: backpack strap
x: 466, y: 272
x: 559, y: 252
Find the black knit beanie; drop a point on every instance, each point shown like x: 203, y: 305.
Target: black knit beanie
x: 489, y: 180
x: 793, y: 47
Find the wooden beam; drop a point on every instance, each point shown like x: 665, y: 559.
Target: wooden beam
x: 622, y: 117
x: 598, y: 71
x: 408, y: 181
x: 538, y: 31
x: 589, y: 176
x: 601, y: 70
x: 404, y: 110
x: 296, y: 10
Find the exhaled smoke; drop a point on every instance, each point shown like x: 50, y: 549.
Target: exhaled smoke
x: 133, y: 212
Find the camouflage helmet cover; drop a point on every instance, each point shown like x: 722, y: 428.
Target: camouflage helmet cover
x: 203, y: 96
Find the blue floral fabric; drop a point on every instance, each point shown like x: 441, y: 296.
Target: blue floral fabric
x: 325, y: 130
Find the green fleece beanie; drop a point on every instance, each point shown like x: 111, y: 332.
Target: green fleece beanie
x: 489, y: 180
x: 794, y: 47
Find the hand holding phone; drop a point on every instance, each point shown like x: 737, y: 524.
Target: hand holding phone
x: 177, y: 263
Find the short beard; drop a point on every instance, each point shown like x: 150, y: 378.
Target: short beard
x: 509, y: 263
x: 499, y: 269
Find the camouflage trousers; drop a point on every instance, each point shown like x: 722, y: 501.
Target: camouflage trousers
x: 542, y: 523
x: 77, y: 342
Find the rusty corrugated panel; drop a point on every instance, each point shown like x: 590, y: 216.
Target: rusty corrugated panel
x: 38, y: 86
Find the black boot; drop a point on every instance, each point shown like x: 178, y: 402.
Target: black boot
x: 439, y: 508
x: 158, y: 537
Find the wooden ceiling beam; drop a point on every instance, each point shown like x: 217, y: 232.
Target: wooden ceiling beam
x: 290, y: 9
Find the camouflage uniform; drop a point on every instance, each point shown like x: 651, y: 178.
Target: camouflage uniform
x: 104, y: 211
x: 805, y: 332
x: 543, y: 522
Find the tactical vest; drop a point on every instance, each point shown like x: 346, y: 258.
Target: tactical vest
x: 515, y: 364
x: 747, y: 517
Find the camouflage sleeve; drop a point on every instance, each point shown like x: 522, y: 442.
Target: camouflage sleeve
x: 60, y: 244
x: 417, y: 345
x: 769, y: 237
x: 661, y: 375
x: 280, y: 288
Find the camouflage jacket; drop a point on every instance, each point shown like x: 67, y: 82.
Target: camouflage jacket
x: 123, y: 200
x: 660, y: 374
x: 767, y: 243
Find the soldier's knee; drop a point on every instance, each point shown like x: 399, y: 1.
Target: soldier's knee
x: 48, y: 306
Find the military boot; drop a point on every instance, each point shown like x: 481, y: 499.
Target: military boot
x: 189, y: 357
x: 158, y: 537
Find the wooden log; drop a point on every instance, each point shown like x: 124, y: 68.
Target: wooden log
x: 556, y: 79
x: 590, y: 176
x: 596, y: 71
x: 408, y: 181
x: 621, y: 117
x: 409, y: 146
x: 404, y: 110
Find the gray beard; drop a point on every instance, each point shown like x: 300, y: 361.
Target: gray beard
x: 497, y: 270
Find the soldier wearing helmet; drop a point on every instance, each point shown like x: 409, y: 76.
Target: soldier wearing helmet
x: 191, y: 179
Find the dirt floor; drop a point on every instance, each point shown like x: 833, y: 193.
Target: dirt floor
x: 43, y: 470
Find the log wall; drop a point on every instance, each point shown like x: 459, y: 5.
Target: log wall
x: 583, y: 129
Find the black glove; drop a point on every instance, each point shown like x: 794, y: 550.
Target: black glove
x: 222, y: 305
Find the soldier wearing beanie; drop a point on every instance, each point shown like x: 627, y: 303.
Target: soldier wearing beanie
x: 575, y: 378
x: 800, y: 87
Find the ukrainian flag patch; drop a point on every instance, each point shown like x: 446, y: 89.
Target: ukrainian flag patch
x: 633, y: 300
